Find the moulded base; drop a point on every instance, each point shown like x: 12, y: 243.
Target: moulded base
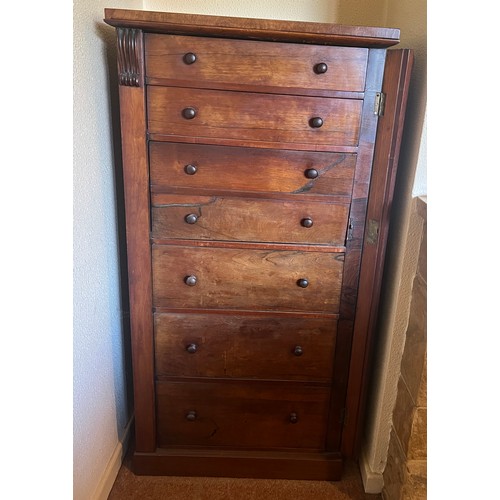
x: 242, y: 464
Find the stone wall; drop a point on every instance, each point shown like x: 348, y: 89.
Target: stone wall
x: 405, y: 475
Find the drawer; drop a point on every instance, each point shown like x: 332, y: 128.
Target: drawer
x: 221, y: 168
x: 198, y: 277
x: 242, y: 219
x: 244, y: 346
x: 240, y: 414
x: 245, y: 116
x: 193, y: 61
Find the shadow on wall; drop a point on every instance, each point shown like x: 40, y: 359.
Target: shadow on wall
x: 360, y: 13
x: 108, y: 38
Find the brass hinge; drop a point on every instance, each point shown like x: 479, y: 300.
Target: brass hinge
x: 379, y: 106
x: 372, y: 232
x: 350, y: 227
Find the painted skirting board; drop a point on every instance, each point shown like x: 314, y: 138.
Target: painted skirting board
x: 109, y: 475
x: 373, y: 482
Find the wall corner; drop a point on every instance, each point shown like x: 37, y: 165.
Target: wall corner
x: 373, y: 482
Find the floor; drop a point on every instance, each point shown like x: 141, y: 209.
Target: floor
x: 128, y: 486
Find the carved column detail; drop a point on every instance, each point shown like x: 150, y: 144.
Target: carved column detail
x: 130, y: 57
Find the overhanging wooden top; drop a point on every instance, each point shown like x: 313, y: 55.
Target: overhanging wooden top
x: 254, y: 29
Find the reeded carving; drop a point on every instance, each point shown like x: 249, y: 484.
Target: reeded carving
x: 129, y: 57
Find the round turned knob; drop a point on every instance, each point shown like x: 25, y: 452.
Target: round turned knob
x: 298, y: 351
x: 307, y: 222
x: 191, y: 218
x: 311, y: 173
x: 191, y: 416
x: 303, y: 283
x: 192, y: 348
x: 190, y: 169
x: 316, y: 122
x: 294, y: 418
x: 320, y: 68
x: 190, y: 280
x: 189, y: 58
x: 190, y: 113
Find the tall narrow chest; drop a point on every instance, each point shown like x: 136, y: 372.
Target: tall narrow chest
x: 259, y: 159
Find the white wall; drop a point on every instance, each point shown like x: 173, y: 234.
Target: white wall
x: 420, y: 183
x: 298, y: 10
x: 100, y: 411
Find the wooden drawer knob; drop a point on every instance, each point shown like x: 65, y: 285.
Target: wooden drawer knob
x: 192, y: 348
x: 311, y: 173
x: 190, y: 280
x: 191, y: 416
x: 307, y: 222
x: 316, y: 122
x: 190, y: 169
x: 298, y: 351
x: 189, y: 58
x: 320, y: 68
x: 303, y: 283
x: 189, y: 113
x: 191, y: 218
x: 294, y: 418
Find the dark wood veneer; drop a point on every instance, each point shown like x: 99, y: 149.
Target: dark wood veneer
x: 136, y: 184
x: 390, y: 129
x: 255, y: 415
x: 289, y: 464
x: 244, y: 346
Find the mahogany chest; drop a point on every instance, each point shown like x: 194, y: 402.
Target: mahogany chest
x: 259, y: 160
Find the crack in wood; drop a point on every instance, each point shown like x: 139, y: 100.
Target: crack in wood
x: 212, y: 200
x: 214, y: 432
x: 307, y: 187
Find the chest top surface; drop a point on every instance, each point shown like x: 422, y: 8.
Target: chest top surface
x: 255, y: 29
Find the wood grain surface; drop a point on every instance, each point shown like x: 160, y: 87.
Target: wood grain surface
x: 246, y: 279
x: 224, y: 168
x: 244, y: 346
x: 253, y: 116
x: 278, y: 67
x: 236, y: 219
x: 254, y: 415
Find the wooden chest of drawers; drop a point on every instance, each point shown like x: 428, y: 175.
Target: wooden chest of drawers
x: 259, y: 168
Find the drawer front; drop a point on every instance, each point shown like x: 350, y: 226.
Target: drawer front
x: 243, y: 219
x: 186, y: 277
x: 219, y: 168
x: 244, y: 346
x: 242, y: 414
x: 232, y: 63
x: 253, y: 117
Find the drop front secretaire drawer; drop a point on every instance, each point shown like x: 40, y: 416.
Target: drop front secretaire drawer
x: 253, y: 117
x: 244, y: 415
x: 279, y: 67
x: 265, y: 346
x: 223, y: 168
x: 221, y: 218
x: 197, y: 277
